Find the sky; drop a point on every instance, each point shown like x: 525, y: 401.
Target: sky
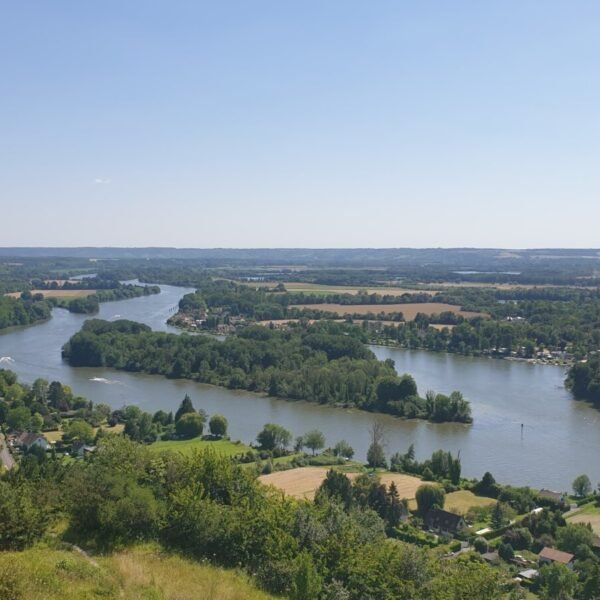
x: 300, y: 123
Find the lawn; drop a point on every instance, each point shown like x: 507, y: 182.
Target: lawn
x: 55, y: 436
x: 224, y: 447
x: 463, y: 500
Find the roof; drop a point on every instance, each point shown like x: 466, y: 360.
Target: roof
x: 442, y: 519
x: 529, y: 573
x: 556, y: 555
x: 558, y: 496
x: 490, y: 556
x: 27, y: 438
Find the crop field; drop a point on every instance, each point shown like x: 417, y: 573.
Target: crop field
x: 320, y: 289
x: 588, y: 514
x: 409, y: 310
x: 302, y: 483
x: 57, y: 293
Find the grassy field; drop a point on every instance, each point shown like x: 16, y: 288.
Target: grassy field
x: 142, y: 573
x: 54, y: 436
x: 409, y: 310
x: 463, y: 500
x: 303, y: 482
x: 590, y: 513
x: 224, y: 447
x: 57, y: 293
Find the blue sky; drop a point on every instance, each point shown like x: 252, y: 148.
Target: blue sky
x: 300, y: 123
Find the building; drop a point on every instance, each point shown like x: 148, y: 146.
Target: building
x: 28, y: 440
x: 444, y: 522
x: 557, y: 497
x: 551, y: 555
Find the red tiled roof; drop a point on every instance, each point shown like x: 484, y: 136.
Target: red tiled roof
x: 556, y: 555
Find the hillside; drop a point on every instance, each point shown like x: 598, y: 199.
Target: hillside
x: 141, y: 573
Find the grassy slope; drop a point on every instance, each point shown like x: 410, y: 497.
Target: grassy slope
x: 224, y: 447
x: 142, y: 573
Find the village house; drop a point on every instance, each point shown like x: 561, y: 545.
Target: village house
x: 28, y: 440
x: 80, y: 449
x: 551, y: 555
x: 557, y: 497
x: 444, y: 522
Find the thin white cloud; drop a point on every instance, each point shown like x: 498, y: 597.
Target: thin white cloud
x: 101, y: 181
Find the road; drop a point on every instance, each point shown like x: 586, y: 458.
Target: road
x: 5, y: 456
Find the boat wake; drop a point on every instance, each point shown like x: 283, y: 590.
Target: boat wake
x: 7, y: 359
x: 104, y: 380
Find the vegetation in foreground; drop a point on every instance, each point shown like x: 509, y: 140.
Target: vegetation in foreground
x: 55, y: 571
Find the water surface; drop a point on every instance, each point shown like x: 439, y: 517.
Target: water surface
x: 561, y: 437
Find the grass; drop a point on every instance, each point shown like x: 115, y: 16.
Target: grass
x: 224, y: 447
x: 140, y: 573
x: 55, y: 436
x: 463, y: 500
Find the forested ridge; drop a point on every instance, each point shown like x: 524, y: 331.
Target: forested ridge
x: 325, y: 362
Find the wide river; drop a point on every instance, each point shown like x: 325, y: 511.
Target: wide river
x: 560, y: 439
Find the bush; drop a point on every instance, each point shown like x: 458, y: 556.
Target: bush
x: 480, y: 544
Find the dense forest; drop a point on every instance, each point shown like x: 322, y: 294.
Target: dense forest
x: 23, y: 311
x: 325, y: 362
x: 583, y: 379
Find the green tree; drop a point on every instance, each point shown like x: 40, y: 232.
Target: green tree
x: 307, y: 582
x: 22, y: 521
x: 273, y: 437
x: 218, y: 426
x: 376, y: 453
x: 582, y: 486
x: 185, y: 407
x: 576, y: 538
x: 429, y: 496
x: 556, y: 582
x: 189, y: 425
x: 19, y: 418
x: 314, y: 440
x: 79, y: 430
x: 344, y: 449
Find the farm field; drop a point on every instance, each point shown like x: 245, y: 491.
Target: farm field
x: 588, y: 514
x: 463, y: 500
x: 321, y: 289
x: 57, y: 293
x: 224, y: 447
x: 409, y: 310
x: 302, y: 483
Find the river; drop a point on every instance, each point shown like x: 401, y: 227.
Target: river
x: 561, y: 437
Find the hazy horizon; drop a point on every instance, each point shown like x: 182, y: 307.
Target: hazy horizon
x: 281, y: 125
